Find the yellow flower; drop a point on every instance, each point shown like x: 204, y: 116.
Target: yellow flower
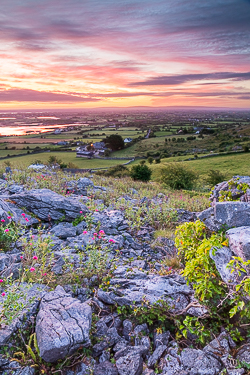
x: 158, y: 330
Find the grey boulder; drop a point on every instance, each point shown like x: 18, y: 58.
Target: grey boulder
x: 82, y: 184
x: 48, y: 205
x: 239, y: 241
x: 105, y: 368
x: 195, y: 361
x: 226, y: 214
x: 129, y: 360
x: 62, y: 325
x: 128, y: 288
x: 221, y: 257
x: 64, y: 230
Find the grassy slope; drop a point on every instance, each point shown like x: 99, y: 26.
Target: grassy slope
x: 65, y: 157
x: 229, y: 164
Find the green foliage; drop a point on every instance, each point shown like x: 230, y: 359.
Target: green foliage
x: 151, y: 314
x: 150, y: 160
x: 178, y: 176
x: 8, y: 233
x: 141, y: 172
x: 14, y: 300
x: 52, y: 160
x: 78, y: 220
x: 222, y: 301
x: 200, y: 270
x: 116, y: 171
x: 214, y: 177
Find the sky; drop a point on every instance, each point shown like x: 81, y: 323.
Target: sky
x: 121, y: 53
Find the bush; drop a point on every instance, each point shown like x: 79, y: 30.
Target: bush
x: 141, y: 172
x: 215, y: 177
x: 116, y: 171
x: 150, y: 160
x: 246, y: 149
x: 178, y: 176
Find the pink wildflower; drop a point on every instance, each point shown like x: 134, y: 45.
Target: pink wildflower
x: 8, y: 217
x: 23, y: 214
x: 93, y: 238
x: 96, y: 210
x: 95, y: 234
x: 21, y: 257
x: 111, y: 240
x: 7, y: 230
x: 80, y: 212
x: 2, y: 220
x: 35, y: 257
x: 84, y: 232
x: 32, y: 269
x: 1, y: 281
x: 26, y: 219
x: 3, y: 294
x: 101, y: 232
x: 44, y: 274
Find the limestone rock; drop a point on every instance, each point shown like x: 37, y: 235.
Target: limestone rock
x: 48, y: 205
x: 226, y: 214
x: 62, y: 325
x: 239, y: 241
x: 221, y: 257
x: 195, y: 361
x: 135, y: 286
x: 64, y: 230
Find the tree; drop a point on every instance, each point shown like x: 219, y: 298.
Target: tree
x: 54, y: 160
x: 115, y: 142
x: 141, y: 172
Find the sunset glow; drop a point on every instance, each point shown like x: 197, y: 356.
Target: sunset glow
x: 109, y: 53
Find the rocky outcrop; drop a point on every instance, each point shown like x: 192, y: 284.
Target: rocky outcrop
x: 48, y: 205
x: 221, y: 257
x: 239, y: 241
x: 233, y: 188
x: 134, y: 287
x: 62, y: 325
x: 226, y: 215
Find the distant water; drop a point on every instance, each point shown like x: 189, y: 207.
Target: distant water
x: 27, y: 129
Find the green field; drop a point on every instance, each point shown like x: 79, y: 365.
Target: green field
x: 230, y: 165
x: 65, y: 157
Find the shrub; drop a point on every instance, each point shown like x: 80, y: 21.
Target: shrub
x: 215, y: 177
x: 141, y: 172
x: 116, y: 171
x: 246, y: 149
x: 72, y: 165
x: 178, y: 176
x: 150, y: 160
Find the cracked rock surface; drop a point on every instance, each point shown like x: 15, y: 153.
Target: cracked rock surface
x: 48, y: 205
x: 127, y: 288
x: 62, y: 325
